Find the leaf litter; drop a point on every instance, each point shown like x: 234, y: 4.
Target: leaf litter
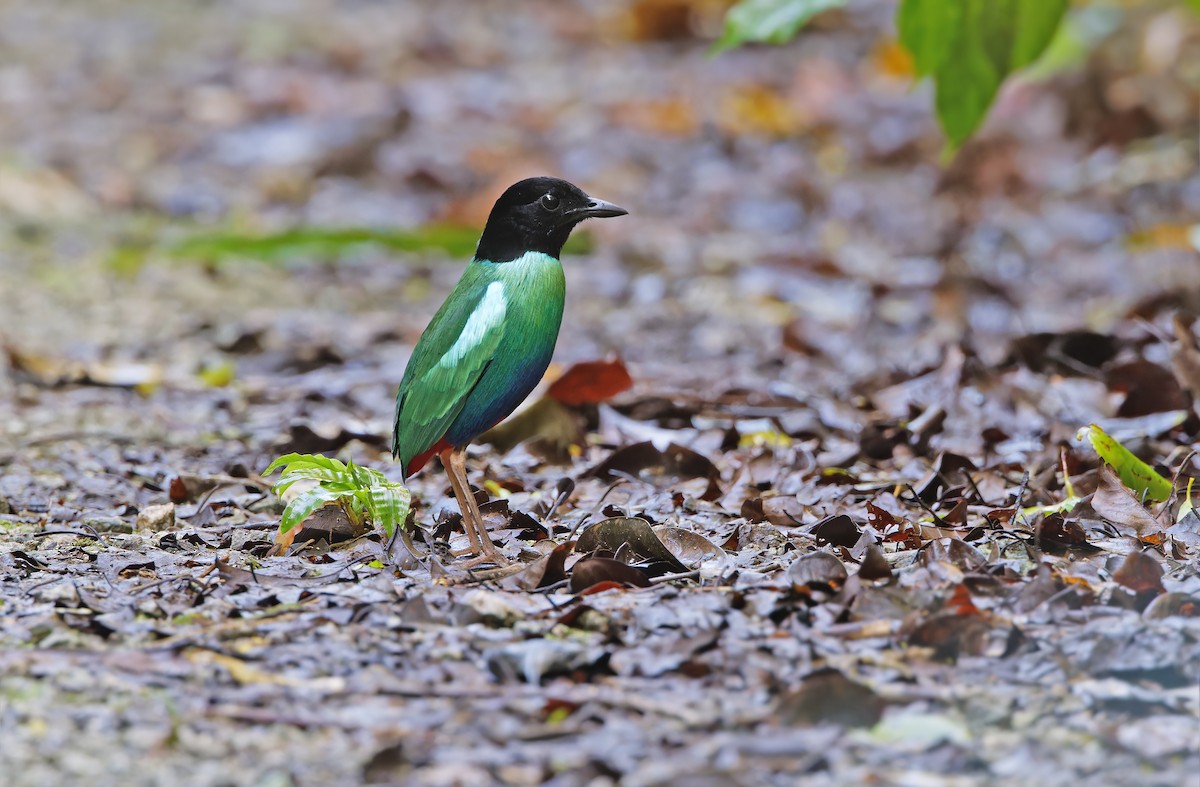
x: 804, y: 520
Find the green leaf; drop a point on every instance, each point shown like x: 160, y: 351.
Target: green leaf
x: 302, y: 507
x: 389, y: 506
x: 293, y: 462
x: 1036, y: 23
x: 330, y: 472
x: 966, y: 83
x: 1133, y: 472
x: 970, y: 47
x: 927, y: 29
x: 769, y: 21
x: 1188, y: 505
x: 1080, y: 32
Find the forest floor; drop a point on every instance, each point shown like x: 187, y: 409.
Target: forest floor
x: 857, y: 382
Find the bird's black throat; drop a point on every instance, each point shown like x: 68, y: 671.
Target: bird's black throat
x: 505, y: 241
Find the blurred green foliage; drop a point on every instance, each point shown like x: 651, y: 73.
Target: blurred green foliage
x: 769, y: 21
x: 967, y: 47
x: 323, y: 243
x: 316, y: 243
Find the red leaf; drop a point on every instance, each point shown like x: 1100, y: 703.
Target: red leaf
x: 961, y: 602
x: 591, y: 382
x: 593, y: 574
x: 1140, y: 573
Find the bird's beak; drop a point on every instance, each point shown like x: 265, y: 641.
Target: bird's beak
x: 597, y: 209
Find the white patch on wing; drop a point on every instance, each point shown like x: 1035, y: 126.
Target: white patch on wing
x: 486, y: 317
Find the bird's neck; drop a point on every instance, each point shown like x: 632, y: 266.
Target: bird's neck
x: 503, y: 242
x: 530, y: 264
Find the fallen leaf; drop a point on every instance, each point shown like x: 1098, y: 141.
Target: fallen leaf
x: 1183, y: 605
x: 674, y: 462
x: 1148, y: 388
x: 1140, y: 573
x: 591, y: 382
x: 817, y: 569
x: 829, y: 697
x: 1185, y: 357
x: 839, y: 530
x: 593, y: 571
x: 1072, y: 352
x: 691, y: 548
x: 551, y: 424
x: 949, y: 470
x: 1117, y: 504
x: 874, y: 565
x: 612, y: 534
x: 1056, y: 533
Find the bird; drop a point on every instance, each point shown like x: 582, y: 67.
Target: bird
x: 491, y: 341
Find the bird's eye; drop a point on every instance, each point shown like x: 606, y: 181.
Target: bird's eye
x: 549, y: 202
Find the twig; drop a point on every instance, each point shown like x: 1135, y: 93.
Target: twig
x: 113, y: 437
x: 595, y: 508
x: 1020, y: 497
x: 673, y: 577
x: 941, y: 522
x: 92, y: 534
x: 974, y: 487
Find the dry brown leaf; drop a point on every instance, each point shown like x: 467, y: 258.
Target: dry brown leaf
x: 1116, y: 503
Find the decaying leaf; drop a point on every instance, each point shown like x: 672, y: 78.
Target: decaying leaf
x: 874, y: 565
x: 635, y: 533
x: 838, y: 530
x: 1055, y: 532
x: 593, y: 571
x: 675, y: 461
x: 1185, y: 357
x: 829, y: 697
x: 554, y: 426
x: 817, y: 569
x: 1115, y: 502
x: 1140, y: 573
x: 690, y: 547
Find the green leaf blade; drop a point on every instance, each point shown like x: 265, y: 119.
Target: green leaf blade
x: 1037, y: 22
x: 1133, y: 472
x: 927, y: 29
x: 390, y: 506
x: 970, y: 47
x: 769, y: 21
x: 305, y: 504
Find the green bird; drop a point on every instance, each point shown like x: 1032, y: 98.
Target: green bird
x: 490, y: 343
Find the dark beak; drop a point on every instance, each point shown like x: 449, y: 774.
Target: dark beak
x: 599, y: 209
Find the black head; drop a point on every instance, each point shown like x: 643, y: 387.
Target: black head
x: 537, y: 214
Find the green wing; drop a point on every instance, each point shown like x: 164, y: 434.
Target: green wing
x: 447, y: 362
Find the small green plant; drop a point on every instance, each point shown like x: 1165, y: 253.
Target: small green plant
x: 364, y: 494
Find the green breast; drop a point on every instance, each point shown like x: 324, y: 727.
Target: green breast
x: 534, y: 290
x: 480, y: 356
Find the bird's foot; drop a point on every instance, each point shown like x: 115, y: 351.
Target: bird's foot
x: 489, y: 554
x: 479, y: 560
